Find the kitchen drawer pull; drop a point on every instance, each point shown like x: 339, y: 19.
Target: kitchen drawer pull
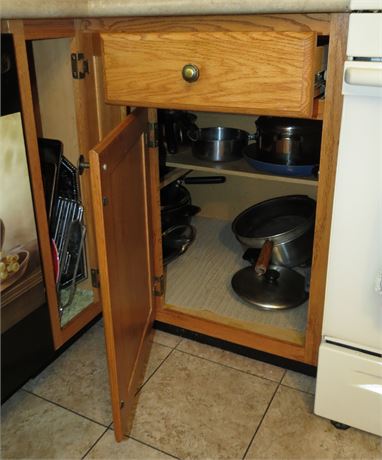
x: 190, y: 73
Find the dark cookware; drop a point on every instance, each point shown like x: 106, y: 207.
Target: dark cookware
x: 176, y: 240
x: 219, y: 144
x: 287, y: 221
x: 288, y: 141
x: 174, y: 125
x: 250, y: 153
x: 176, y: 206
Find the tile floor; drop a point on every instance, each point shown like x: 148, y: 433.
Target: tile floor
x: 196, y: 402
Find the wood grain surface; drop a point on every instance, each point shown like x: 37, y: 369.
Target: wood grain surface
x: 245, y: 72
x: 328, y: 162
x: 319, y: 23
x: 120, y: 197
x: 33, y: 156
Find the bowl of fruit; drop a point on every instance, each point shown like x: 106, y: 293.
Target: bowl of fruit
x: 13, y: 263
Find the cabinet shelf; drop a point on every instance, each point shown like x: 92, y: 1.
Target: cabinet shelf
x: 185, y: 160
x: 173, y: 175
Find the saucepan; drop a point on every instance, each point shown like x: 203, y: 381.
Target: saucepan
x: 219, y: 144
x: 287, y: 221
x: 285, y: 146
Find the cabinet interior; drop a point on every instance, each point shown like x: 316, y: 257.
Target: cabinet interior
x: 55, y: 116
x: 198, y: 283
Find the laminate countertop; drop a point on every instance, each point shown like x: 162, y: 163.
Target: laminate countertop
x: 24, y: 9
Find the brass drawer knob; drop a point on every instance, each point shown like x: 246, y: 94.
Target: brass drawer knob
x: 190, y: 73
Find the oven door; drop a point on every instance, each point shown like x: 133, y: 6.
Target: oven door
x: 353, y: 302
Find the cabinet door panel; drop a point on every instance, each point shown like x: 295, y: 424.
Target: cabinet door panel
x: 119, y: 180
x: 247, y: 72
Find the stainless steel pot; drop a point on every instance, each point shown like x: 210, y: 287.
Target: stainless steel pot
x: 288, y: 221
x: 219, y: 144
x: 288, y: 141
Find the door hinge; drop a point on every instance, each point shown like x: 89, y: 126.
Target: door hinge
x: 158, y: 287
x: 151, y: 137
x: 95, y: 277
x: 76, y: 59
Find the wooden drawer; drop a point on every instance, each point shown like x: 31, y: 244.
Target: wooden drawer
x: 245, y: 72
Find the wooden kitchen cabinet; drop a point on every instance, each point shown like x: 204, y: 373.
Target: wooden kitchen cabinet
x: 124, y: 187
x: 135, y: 66
x: 52, y: 108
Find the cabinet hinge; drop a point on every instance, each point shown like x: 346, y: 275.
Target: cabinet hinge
x: 94, y: 272
x: 158, y: 287
x: 152, y: 135
x: 77, y: 59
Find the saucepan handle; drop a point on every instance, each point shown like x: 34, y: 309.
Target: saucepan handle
x: 193, y: 134
x: 204, y: 180
x: 264, y: 258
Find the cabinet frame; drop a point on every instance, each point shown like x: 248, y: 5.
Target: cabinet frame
x: 85, y: 31
x: 94, y: 120
x: 334, y: 26
x: 307, y: 350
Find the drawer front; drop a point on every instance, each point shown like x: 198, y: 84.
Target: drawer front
x: 247, y: 72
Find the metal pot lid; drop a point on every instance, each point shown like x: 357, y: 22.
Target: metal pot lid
x: 280, y: 288
x: 288, y: 126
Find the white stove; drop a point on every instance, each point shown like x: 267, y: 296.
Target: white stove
x: 349, y: 379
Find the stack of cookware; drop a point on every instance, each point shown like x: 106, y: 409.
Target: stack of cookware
x: 65, y: 214
x: 285, y: 146
x: 177, y: 211
x: 277, y: 235
x: 173, y: 126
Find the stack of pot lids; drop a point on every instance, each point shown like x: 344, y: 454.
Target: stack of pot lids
x: 278, y: 289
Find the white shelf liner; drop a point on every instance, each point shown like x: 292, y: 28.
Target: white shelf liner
x: 201, y: 279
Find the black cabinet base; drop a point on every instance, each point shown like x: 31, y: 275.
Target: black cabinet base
x: 239, y: 349
x: 26, y: 349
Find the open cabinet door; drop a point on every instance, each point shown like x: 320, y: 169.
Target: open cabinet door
x: 119, y: 168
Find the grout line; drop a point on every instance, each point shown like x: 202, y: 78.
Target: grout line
x: 297, y: 389
x: 261, y: 421
x: 155, y: 371
x: 144, y: 443
x: 93, y: 445
x: 182, y: 339
x: 63, y: 407
x: 152, y: 447
x: 234, y: 368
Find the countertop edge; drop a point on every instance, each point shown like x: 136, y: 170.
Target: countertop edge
x: 32, y: 9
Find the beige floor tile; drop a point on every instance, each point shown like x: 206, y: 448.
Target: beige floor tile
x: 234, y: 360
x: 34, y: 428
x: 170, y: 340
x: 290, y: 430
x: 78, y: 379
x: 193, y: 408
x: 299, y: 381
x: 129, y: 449
x: 158, y: 354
